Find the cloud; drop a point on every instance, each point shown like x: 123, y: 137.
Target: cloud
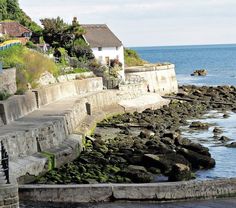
x: 162, y: 21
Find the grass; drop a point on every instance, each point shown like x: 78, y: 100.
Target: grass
x: 132, y: 58
x: 29, y: 64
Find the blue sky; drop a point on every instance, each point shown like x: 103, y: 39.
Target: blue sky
x: 148, y: 22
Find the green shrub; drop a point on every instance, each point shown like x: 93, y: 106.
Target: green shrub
x: 4, y: 95
x: 29, y: 64
x: 132, y: 58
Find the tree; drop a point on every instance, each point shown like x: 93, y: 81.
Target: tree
x: 54, y: 31
x: 13, y: 9
x: 3, y: 9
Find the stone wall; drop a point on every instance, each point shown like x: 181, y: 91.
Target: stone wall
x: 9, y: 196
x: 59, y: 91
x: 16, y: 107
x: 131, y: 192
x: 159, y: 79
x: 8, y: 81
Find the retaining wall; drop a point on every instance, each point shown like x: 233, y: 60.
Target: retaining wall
x: 130, y: 192
x: 59, y: 91
x: 21, y: 105
x: 8, y: 81
x: 159, y: 79
x: 17, y: 106
x: 9, y: 196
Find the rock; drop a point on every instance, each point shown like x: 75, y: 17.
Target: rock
x: 46, y: 78
x: 224, y: 139
x: 137, y: 168
x: 232, y: 145
x: 137, y: 174
x: 199, y: 125
x: 197, y: 160
x: 157, y: 161
x: 226, y: 115
x: 199, y: 72
x: 146, y: 134
x: 217, y: 130
x: 196, y: 147
x: 180, y: 172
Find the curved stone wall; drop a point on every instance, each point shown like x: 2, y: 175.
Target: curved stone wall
x: 170, y: 191
x: 159, y: 79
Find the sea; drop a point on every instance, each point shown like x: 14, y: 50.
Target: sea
x: 218, y: 60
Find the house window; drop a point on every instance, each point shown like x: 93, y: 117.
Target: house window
x: 117, y: 48
x: 99, y: 48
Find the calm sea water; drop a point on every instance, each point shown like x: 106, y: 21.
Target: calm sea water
x: 219, y: 60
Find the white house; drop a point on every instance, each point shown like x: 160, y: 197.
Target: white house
x: 104, y: 44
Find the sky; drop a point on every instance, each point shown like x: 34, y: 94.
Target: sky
x: 148, y: 22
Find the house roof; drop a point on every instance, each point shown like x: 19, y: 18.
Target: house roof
x: 99, y: 35
x: 13, y: 29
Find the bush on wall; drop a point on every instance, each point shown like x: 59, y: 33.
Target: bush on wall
x: 29, y: 64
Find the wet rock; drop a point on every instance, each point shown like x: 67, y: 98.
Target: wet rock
x: 224, y: 139
x: 231, y: 145
x: 226, y: 115
x: 180, y: 172
x: 137, y: 174
x: 157, y: 161
x: 199, y: 125
x: 196, y: 147
x: 199, y: 72
x: 217, y: 130
x: 197, y: 160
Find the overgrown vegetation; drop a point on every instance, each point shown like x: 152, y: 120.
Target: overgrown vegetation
x: 29, y: 64
x: 10, y: 10
x: 132, y: 58
x: 4, y: 95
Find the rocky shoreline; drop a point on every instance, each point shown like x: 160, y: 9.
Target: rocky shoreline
x: 148, y: 146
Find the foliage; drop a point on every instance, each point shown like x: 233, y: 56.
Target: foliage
x: 31, y: 45
x: 29, y: 64
x: 132, y: 58
x: 59, y: 34
x: 4, y: 95
x: 10, y: 10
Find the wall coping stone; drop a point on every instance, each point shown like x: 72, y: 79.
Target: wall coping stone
x: 167, y: 191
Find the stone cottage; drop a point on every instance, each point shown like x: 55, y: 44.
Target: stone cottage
x: 104, y: 44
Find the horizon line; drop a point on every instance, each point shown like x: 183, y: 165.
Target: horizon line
x: 152, y: 46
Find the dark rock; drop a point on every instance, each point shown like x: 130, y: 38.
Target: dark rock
x: 224, y: 139
x: 199, y: 125
x: 157, y: 161
x: 232, y: 145
x: 137, y: 174
x: 217, y: 130
x: 180, y: 172
x: 197, y: 160
x: 226, y: 115
x: 199, y: 72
